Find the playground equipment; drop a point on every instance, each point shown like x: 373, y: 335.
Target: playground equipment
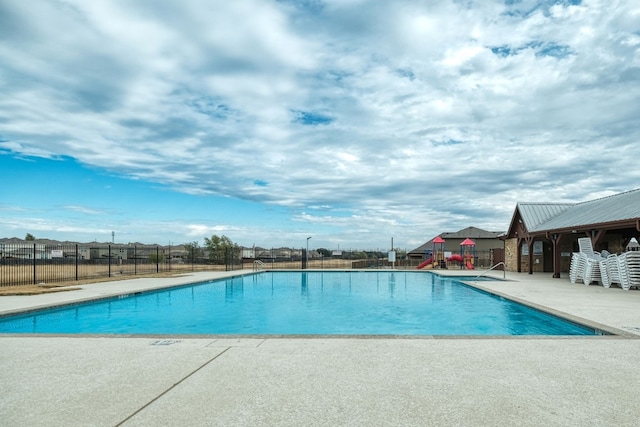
x: 430, y: 263
x: 455, y: 257
x: 437, y: 257
x: 439, y: 254
x: 468, y: 248
x: 469, y: 263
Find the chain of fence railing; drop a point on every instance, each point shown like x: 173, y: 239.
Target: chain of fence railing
x: 35, y: 263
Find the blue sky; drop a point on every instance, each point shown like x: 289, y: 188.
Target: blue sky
x: 350, y: 121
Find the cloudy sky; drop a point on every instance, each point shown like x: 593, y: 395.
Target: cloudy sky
x: 350, y: 121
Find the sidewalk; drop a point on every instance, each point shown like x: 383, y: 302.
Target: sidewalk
x: 208, y: 381
x: 18, y: 303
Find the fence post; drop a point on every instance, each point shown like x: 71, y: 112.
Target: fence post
x: 135, y: 260
x: 157, y: 260
x: 109, y: 260
x: 34, y: 264
x: 76, y: 263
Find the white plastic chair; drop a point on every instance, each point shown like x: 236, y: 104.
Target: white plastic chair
x: 633, y: 268
x: 591, y: 271
x: 585, y: 245
x: 576, y: 270
x: 623, y: 268
x: 591, y: 259
x: 604, y: 274
x: 613, y: 271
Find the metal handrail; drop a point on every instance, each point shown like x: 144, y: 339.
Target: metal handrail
x: 258, y: 265
x: 504, y: 271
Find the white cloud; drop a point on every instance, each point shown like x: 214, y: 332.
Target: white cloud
x: 447, y: 112
x: 84, y: 210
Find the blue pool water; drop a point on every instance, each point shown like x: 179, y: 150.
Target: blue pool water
x: 335, y: 303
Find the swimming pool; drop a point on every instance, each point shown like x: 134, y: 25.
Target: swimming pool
x: 305, y: 303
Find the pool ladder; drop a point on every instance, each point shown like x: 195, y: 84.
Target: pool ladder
x: 258, y: 265
x: 504, y: 271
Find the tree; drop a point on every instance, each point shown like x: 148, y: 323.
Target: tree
x: 324, y: 252
x: 218, y: 247
x: 358, y: 255
x: 29, y: 237
x: 400, y: 253
x: 194, y: 251
x: 156, y: 258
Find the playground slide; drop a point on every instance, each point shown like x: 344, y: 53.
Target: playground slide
x: 455, y: 257
x: 469, y: 265
x: 424, y: 264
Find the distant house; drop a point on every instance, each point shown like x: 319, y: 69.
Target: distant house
x: 249, y: 253
x: 44, y: 249
x: 176, y: 253
x: 83, y: 252
x: 484, y: 240
x: 275, y: 253
x: 24, y: 251
x: 106, y: 251
x: 14, y: 248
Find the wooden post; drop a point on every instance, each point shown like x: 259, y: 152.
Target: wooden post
x: 556, y: 238
x: 530, y: 246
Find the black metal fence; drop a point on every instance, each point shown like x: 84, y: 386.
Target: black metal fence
x: 35, y: 263
x: 371, y: 260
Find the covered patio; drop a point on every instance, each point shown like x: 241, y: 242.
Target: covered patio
x: 542, y: 236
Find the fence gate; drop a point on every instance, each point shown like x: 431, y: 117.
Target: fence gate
x: 498, y: 256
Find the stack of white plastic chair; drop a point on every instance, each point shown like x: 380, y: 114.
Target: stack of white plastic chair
x: 576, y: 270
x: 604, y: 270
x: 591, y: 271
x: 592, y: 261
x: 613, y: 271
x: 633, y: 266
x: 623, y: 269
x: 605, y: 273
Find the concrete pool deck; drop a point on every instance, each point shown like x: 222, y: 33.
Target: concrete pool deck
x: 140, y: 381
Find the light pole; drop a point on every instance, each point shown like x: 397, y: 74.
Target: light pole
x: 306, y: 254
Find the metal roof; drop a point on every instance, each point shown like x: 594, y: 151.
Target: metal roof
x: 536, y: 214
x: 619, y: 207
